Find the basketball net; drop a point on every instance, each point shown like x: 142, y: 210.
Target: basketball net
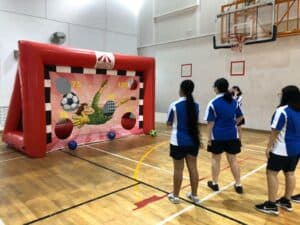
x: 246, y: 2
x: 238, y: 40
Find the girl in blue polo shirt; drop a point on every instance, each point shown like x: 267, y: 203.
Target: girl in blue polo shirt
x: 283, y: 150
x: 222, y: 115
x: 184, y: 142
x: 237, y: 95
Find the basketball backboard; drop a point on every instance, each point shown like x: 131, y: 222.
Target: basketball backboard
x: 247, y: 21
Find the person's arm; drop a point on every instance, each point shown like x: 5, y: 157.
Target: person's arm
x: 210, y: 126
x: 273, y: 136
x: 239, y: 114
x: 239, y: 119
x: 279, y: 119
x: 170, y: 117
x: 210, y: 117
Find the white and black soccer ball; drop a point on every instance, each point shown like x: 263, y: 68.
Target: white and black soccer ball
x: 69, y: 102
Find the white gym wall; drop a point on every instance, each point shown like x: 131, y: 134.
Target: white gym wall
x: 104, y: 25
x: 180, y: 38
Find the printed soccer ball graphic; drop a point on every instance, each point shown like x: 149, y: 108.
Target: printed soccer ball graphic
x: 69, y: 102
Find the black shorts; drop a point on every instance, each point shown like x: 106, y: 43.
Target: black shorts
x: 241, y: 123
x: 179, y: 152
x: 228, y: 146
x: 285, y: 163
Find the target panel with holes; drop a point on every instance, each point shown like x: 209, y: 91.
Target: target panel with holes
x: 245, y: 22
x: 64, y: 94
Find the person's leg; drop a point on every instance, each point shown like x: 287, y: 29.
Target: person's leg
x: 215, y: 167
x: 270, y: 206
x: 289, y: 166
x: 240, y: 132
x: 177, y: 177
x: 275, y: 164
x: 191, y: 162
x: 215, y: 170
x: 296, y: 198
x: 290, y: 184
x: 235, y: 170
x: 272, y: 185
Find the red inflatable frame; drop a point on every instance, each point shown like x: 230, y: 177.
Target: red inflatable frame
x: 25, y: 124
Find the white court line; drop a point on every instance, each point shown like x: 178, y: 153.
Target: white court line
x: 1, y: 222
x: 256, y: 146
x: 164, y: 134
x: 252, y: 150
x: 168, y: 219
x: 11, y: 160
x: 3, y: 153
x: 132, y: 160
x: 175, y: 215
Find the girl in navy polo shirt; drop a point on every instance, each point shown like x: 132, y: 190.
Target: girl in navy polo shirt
x: 184, y: 142
x: 222, y: 115
x: 283, y: 150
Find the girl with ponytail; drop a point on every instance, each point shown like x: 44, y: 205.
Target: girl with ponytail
x: 183, y: 116
x: 222, y: 115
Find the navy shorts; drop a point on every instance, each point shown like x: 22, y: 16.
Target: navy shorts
x: 285, y: 163
x: 180, y: 152
x: 228, y: 146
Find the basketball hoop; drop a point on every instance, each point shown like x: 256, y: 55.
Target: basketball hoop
x: 238, y: 41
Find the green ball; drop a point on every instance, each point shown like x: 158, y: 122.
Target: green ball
x: 153, y: 133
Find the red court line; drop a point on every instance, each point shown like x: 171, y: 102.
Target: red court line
x: 147, y: 201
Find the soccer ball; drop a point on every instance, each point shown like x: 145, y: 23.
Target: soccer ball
x: 153, y: 133
x: 111, y: 135
x: 69, y: 102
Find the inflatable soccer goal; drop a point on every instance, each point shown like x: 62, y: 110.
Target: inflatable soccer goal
x: 63, y: 94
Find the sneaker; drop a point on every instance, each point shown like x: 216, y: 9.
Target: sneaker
x: 194, y: 199
x: 285, y: 204
x: 296, y: 198
x: 239, y: 189
x: 214, y: 187
x: 268, y: 207
x: 173, y: 199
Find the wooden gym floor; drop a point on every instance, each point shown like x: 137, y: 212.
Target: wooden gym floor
x: 125, y: 181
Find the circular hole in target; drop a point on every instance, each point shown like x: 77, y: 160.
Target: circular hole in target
x: 132, y: 84
x: 128, y: 120
x: 63, y: 128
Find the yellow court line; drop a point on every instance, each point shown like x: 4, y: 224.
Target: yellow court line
x: 147, y: 153
x: 140, y: 162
